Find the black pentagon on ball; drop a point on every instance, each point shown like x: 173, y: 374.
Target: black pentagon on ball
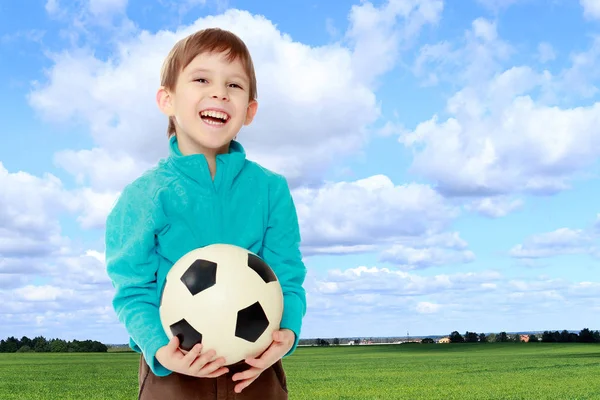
x: 251, y: 322
x: 201, y: 275
x: 261, y: 268
x: 187, y: 335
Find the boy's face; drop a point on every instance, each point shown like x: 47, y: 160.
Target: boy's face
x: 210, y: 104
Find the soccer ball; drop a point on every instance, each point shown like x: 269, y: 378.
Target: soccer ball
x: 226, y: 298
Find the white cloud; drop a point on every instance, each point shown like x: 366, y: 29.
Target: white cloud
x: 484, y: 29
x: 100, y: 169
x: 97, y: 255
x: 52, y: 7
x: 473, y: 60
x: 583, y: 290
x: 499, y: 141
x: 82, y: 323
x: 367, y: 212
x: 484, y: 51
x: 29, y: 35
x: 185, y: 6
x: 558, y: 242
x: 413, y: 258
x: 29, y: 212
x: 494, y: 207
x: 580, y: 78
x: 10, y: 279
x: 376, y: 36
x: 591, y: 8
x: 332, y: 31
x: 103, y: 8
x: 182, y: 8
x: 14, y: 243
x: 85, y: 271
x: 44, y: 293
x: 336, y: 249
x: 425, y: 307
x: 95, y: 8
x: 542, y: 285
x: 440, y: 53
x: 364, y: 279
x: 448, y: 240
x: 405, y: 223
x: 507, y: 130
x: 427, y: 250
x: 69, y: 293
x: 94, y: 207
x: 373, y: 294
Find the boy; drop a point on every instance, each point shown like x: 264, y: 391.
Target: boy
x: 205, y: 192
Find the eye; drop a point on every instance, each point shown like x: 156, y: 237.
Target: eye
x: 200, y: 80
x: 235, y: 85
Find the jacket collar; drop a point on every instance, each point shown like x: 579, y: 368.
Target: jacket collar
x: 195, y: 166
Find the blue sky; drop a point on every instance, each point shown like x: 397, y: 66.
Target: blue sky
x: 443, y: 155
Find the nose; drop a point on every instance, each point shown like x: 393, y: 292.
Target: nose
x: 220, y: 93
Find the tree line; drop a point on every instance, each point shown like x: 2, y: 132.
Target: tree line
x: 584, y: 336
x: 40, y: 344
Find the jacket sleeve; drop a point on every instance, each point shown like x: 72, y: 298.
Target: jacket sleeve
x: 281, y: 250
x: 132, y: 263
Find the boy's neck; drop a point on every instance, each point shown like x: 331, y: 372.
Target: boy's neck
x: 212, y: 165
x: 187, y: 148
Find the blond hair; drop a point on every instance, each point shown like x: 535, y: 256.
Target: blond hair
x: 205, y: 41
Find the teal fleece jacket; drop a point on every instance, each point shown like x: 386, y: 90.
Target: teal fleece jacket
x: 176, y: 207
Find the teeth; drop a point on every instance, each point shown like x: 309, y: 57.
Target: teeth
x: 214, y: 122
x: 214, y: 114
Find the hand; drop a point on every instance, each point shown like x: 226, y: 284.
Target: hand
x: 192, y: 363
x: 283, y: 340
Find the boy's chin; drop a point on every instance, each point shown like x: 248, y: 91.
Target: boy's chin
x: 215, y: 143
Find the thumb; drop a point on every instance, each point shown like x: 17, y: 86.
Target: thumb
x: 277, y: 336
x: 174, y: 344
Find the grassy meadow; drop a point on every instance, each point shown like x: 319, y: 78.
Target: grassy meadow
x: 416, y: 371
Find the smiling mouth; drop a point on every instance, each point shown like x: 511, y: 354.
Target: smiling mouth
x: 212, y: 117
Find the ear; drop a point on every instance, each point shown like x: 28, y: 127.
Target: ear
x: 164, y: 101
x: 251, y: 112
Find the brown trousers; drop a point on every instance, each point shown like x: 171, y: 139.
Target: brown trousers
x: 270, y: 385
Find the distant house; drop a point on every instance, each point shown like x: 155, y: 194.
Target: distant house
x: 525, y: 338
x: 444, y: 340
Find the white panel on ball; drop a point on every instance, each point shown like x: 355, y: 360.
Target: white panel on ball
x: 213, y: 312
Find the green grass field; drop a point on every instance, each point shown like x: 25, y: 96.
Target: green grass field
x: 455, y: 371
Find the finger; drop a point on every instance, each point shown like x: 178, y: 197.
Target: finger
x: 189, y: 358
x: 284, y: 337
x: 247, y: 374
x: 267, y: 359
x: 209, y: 367
x: 256, y: 362
x: 173, y: 344
x: 202, y: 360
x: 217, y: 373
x: 243, y: 385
